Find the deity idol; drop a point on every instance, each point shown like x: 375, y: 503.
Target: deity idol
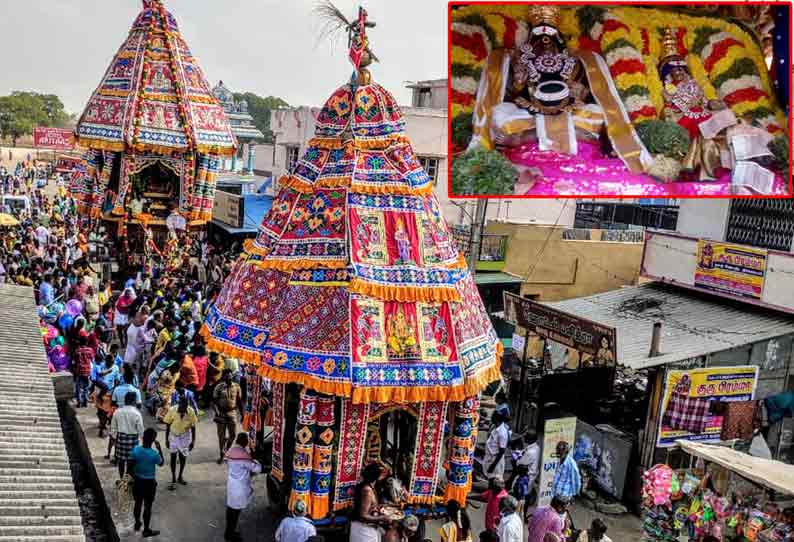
x: 686, y: 105
x: 544, y: 92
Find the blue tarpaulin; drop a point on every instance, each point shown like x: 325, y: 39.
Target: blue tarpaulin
x: 256, y: 206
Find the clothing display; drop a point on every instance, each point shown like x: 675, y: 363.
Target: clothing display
x: 737, y: 422
x: 686, y: 413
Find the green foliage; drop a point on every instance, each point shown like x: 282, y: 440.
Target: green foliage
x: 634, y: 90
x: 742, y: 66
x: 20, y: 112
x: 478, y: 20
x: 464, y: 70
x: 260, y: 109
x: 663, y: 137
x: 702, y: 35
x: 780, y: 148
x: 462, y: 129
x: 481, y: 171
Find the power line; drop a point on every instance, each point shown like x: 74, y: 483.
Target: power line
x: 546, y: 242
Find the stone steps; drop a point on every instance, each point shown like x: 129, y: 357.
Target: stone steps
x: 51, y: 538
x: 20, y: 510
x: 41, y: 520
x: 41, y: 532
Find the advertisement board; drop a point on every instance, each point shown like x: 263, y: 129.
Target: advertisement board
x: 685, y: 412
x: 586, y: 336
x: 607, y: 452
x: 732, y: 269
x: 554, y: 431
x: 229, y: 209
x: 58, y: 139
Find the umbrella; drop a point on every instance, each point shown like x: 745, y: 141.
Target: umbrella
x: 8, y: 220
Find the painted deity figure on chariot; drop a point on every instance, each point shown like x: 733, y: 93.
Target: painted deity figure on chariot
x: 544, y: 92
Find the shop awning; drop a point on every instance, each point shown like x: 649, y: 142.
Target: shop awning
x: 693, y: 324
x: 766, y: 472
x: 496, y: 278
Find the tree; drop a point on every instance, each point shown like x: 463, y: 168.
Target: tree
x: 260, y: 109
x: 21, y: 112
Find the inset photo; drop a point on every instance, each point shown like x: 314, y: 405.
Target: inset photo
x: 648, y: 100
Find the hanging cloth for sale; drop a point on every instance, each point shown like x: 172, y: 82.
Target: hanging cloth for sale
x: 686, y: 413
x: 737, y: 422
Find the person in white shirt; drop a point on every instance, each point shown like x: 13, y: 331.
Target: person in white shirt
x: 136, y: 340
x: 510, y: 529
x: 296, y: 528
x: 239, y: 490
x: 126, y: 430
x: 496, y: 446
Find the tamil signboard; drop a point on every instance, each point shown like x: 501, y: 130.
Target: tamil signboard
x: 686, y: 411
x: 229, y: 209
x: 731, y: 269
x: 53, y: 138
x: 554, y: 431
x: 596, y: 340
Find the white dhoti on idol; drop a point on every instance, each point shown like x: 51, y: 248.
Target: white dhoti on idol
x: 504, y: 123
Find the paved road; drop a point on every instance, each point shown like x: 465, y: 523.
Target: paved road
x: 195, y: 512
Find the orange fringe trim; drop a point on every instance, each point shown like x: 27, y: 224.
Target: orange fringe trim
x: 381, y: 144
x: 431, y: 500
x: 403, y: 190
x: 100, y: 144
x: 404, y: 293
x: 226, y: 152
x: 292, y: 265
x: 200, y: 216
x: 320, y: 506
x: 227, y: 349
x: 159, y: 149
x: 458, y: 493
x: 282, y: 376
x: 403, y: 394
x: 476, y: 383
x: 332, y: 143
x: 116, y: 93
x: 250, y: 248
x: 299, y: 185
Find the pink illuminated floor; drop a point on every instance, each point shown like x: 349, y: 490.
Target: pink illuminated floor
x: 590, y: 173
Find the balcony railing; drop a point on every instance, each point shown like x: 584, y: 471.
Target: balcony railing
x: 493, y: 248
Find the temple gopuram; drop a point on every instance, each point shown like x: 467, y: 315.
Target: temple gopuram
x: 243, y: 128
x: 155, y: 137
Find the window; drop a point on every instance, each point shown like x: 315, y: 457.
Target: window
x: 292, y: 157
x: 430, y: 165
x: 422, y: 97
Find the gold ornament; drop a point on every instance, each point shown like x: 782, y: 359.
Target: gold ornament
x: 544, y: 15
x: 669, y: 43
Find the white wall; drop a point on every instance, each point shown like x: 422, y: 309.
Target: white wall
x: 703, y: 218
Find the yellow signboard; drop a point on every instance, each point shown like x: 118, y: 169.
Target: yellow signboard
x: 694, y: 390
x: 732, y: 269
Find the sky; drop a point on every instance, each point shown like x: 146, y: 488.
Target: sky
x: 268, y: 47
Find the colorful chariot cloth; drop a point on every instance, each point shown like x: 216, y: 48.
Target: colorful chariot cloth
x: 354, y: 285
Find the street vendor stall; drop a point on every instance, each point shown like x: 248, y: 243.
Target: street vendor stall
x: 155, y: 136
x: 354, y: 302
x: 723, y: 493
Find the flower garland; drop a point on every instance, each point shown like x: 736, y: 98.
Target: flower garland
x: 723, y: 58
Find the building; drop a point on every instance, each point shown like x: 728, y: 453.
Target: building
x: 759, y: 230
x: 555, y: 263
x: 243, y: 128
x: 432, y: 93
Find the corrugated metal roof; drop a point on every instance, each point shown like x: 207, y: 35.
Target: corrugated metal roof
x: 37, y: 494
x: 485, y: 277
x: 693, y: 324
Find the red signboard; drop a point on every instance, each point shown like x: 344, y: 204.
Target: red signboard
x: 53, y: 138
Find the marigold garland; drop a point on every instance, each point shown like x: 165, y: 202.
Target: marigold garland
x: 722, y: 56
